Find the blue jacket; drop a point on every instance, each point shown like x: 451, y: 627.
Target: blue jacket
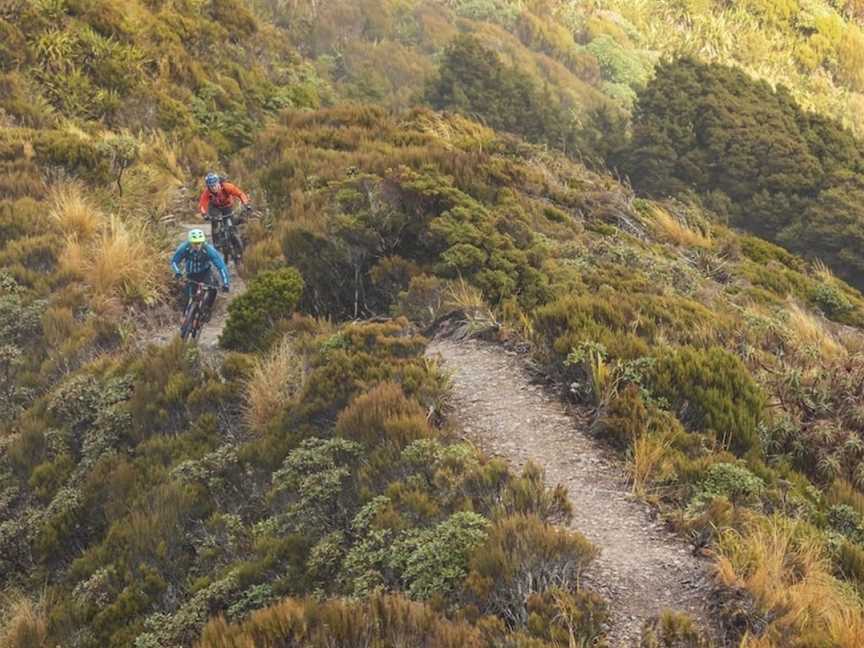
x: 200, y: 261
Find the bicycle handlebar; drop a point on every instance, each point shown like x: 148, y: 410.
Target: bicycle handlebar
x: 197, y: 283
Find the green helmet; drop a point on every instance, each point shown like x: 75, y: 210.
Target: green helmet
x: 197, y: 236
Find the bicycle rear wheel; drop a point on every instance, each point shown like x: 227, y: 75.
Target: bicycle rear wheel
x: 236, y: 248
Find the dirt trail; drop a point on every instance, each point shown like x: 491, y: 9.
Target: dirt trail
x: 208, y: 338
x: 643, y: 569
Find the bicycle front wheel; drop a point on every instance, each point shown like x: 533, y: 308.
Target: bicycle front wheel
x: 189, y: 322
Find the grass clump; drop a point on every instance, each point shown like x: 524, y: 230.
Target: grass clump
x: 120, y: 262
x: 75, y: 216
x: 673, y: 630
x: 784, y: 565
x: 25, y: 623
x: 524, y: 556
x: 275, y: 381
x: 381, y: 619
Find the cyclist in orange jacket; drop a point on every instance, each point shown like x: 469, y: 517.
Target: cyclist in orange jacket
x: 219, y: 197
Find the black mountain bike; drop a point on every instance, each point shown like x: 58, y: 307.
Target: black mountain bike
x: 196, y: 310
x: 226, y: 237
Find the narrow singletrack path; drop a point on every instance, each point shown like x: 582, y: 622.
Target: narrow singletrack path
x: 643, y: 569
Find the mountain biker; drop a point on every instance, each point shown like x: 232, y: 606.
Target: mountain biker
x: 199, y: 257
x: 219, y: 196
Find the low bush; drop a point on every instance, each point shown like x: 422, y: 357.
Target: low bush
x: 712, y: 391
x: 269, y: 298
x: 734, y: 482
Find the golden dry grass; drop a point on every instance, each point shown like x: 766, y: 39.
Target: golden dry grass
x: 73, y: 213
x: 23, y: 624
x: 785, y: 566
x: 649, y: 452
x: 274, y: 382
x: 463, y: 296
x: 822, y: 271
x: 808, y: 331
x: 120, y: 262
x: 670, y: 229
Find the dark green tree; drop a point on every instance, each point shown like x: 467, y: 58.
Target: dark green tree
x: 774, y: 168
x: 474, y: 81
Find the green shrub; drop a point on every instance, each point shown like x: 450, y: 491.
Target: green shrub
x: 625, y: 419
x: 435, y: 562
x: 734, y: 482
x: 48, y: 477
x: 737, y: 131
x: 269, y: 297
x: 383, y: 416
x: 830, y: 300
x: 314, y: 492
x: 846, y: 521
x: 712, y: 391
x: 473, y: 80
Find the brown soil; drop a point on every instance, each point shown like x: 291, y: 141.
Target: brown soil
x: 643, y: 569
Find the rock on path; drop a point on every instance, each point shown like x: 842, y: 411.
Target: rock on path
x: 642, y: 569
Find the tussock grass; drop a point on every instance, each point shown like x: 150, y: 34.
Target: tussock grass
x: 785, y: 566
x: 75, y: 215
x: 378, y: 621
x: 24, y: 622
x: 121, y: 262
x: 150, y: 185
x: 842, y: 492
x: 465, y: 297
x: 649, y: 452
x: 275, y: 380
x: 809, y: 331
x: 672, y: 230
x: 823, y: 272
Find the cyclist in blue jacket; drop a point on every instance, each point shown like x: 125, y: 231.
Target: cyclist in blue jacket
x: 200, y: 257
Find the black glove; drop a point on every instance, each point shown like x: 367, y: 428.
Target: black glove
x: 247, y: 208
x: 178, y: 276
x: 206, y: 217
x: 226, y: 288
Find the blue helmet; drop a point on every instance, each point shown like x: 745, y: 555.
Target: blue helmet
x: 211, y: 180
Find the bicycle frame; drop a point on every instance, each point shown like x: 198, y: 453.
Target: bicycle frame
x: 192, y: 317
x: 226, y: 238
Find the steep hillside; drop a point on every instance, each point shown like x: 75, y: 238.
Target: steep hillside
x: 410, y: 160
x: 587, y: 50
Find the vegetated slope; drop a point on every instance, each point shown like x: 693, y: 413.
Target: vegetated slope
x: 106, y: 109
x: 585, y: 51
x: 641, y: 569
x: 754, y: 156
x: 142, y: 493
x: 813, y: 48
x: 413, y: 213
x: 703, y: 351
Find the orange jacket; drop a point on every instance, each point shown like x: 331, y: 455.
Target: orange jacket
x: 224, y: 198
